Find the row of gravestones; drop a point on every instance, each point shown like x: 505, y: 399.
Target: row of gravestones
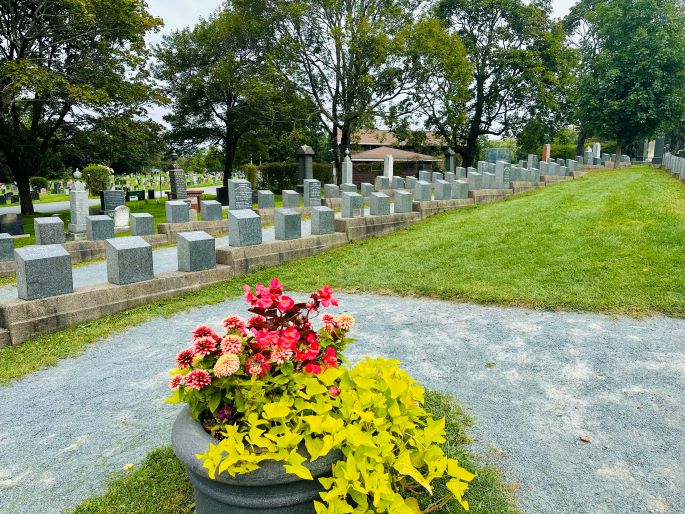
x: 45, y: 270
x: 674, y: 164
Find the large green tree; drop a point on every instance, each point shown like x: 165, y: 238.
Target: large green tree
x: 349, y: 57
x: 64, y: 63
x: 515, y: 51
x: 631, y: 75
x: 219, y: 77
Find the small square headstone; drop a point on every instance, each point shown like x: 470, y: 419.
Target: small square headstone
x: 323, y: 221
x: 449, y: 176
x: 43, y: 271
x: 367, y: 189
x: 352, y: 205
x: 196, y: 251
x: 210, y: 210
x: 129, y: 260
x: 460, y: 172
x: 410, y: 183
x: 397, y: 182
x: 380, y: 204
x: 312, y: 192
x: 382, y: 183
x: 331, y: 191
x: 240, y: 194
x: 49, y: 230
x: 443, y: 190
x: 244, y: 228
x: 460, y: 189
x: 99, y: 227
x: 423, y: 191
x: 142, y: 224
x: 177, y: 211
x: 426, y: 176
x: 11, y: 224
x: 6, y: 247
x: 403, y: 201
x: 436, y: 176
x: 287, y: 224
x: 266, y: 199
x: 348, y: 188
x: 291, y: 199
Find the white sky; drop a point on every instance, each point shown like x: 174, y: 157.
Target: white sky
x: 182, y: 13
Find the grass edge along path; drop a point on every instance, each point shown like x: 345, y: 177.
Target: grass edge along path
x: 160, y: 485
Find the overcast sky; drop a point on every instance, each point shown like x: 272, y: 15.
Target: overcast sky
x: 182, y: 13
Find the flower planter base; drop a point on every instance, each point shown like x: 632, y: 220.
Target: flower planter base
x: 268, y: 490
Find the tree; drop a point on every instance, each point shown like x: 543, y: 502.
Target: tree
x: 63, y: 63
x: 631, y: 75
x: 219, y: 78
x: 515, y: 50
x: 348, y: 57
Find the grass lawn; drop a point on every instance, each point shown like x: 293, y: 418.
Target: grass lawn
x: 160, y: 485
x: 613, y: 242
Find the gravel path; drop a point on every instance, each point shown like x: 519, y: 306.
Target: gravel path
x: 535, y: 382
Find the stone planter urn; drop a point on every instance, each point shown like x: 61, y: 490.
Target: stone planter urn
x: 267, y: 490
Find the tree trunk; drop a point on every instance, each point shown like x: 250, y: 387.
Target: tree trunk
x: 229, y: 157
x: 337, y: 154
x: 469, y: 152
x: 580, y: 142
x: 22, y: 178
x: 618, y: 152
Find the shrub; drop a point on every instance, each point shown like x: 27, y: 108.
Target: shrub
x: 38, y: 182
x: 563, y: 152
x: 250, y: 172
x: 97, y: 177
x: 274, y: 385
x: 278, y: 176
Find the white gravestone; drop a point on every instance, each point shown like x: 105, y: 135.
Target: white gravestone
x: 78, y: 204
x: 120, y: 217
x: 387, y: 166
x: 347, y: 169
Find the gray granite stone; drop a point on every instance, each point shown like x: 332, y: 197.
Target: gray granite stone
x: 563, y: 171
x: 489, y: 180
x: 460, y: 189
x: 482, y: 167
x: 410, y: 183
x: 443, y: 190
x: 542, y: 166
x: 99, y: 227
x: 78, y: 204
x: 426, y: 176
x: 348, y: 188
x: 380, y: 204
x: 502, y: 174
x: 129, y: 260
x: 331, y: 191
x: 312, y: 192
x: 266, y: 199
x: 11, y: 223
x: 111, y: 199
x: 291, y: 199
x: 352, y: 205
x: 382, y: 183
x: 305, y: 156
x: 43, y: 271
x: 196, y: 251
x: 49, y: 230
x: 241, y: 197
x: 323, y: 221
x: 474, y: 179
x: 450, y: 176
x: 367, y: 189
x: 177, y: 211
x: 244, y: 228
x: 423, y: 191
x: 403, y: 201
x: 287, y: 224
x: 6, y: 247
x: 460, y: 172
x: 210, y: 210
x: 436, y: 176
x: 571, y: 165
x: 553, y: 169
x: 142, y: 224
x: 397, y: 183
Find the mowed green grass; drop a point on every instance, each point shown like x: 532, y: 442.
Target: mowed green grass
x: 159, y: 484
x: 612, y: 242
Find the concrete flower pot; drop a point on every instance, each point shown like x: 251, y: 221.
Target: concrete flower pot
x: 267, y: 490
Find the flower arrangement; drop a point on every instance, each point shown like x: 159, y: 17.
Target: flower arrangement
x: 275, y: 388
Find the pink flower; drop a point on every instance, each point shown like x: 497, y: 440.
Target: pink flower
x: 345, y: 321
x: 275, y: 287
x: 313, y: 368
x: 249, y: 297
x: 204, y: 346
x: 291, y: 334
x: 234, y: 323
x: 185, y: 358
x: 231, y: 343
x: 280, y: 355
x: 257, y: 365
x: 313, y: 352
x: 175, y: 382
x: 331, y: 357
x: 334, y: 391
x: 255, y: 320
x: 328, y: 322
x: 265, y: 338
x: 286, y: 303
x: 203, y: 331
x: 198, y: 379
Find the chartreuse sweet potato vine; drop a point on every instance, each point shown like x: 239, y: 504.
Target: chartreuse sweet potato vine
x: 390, y: 444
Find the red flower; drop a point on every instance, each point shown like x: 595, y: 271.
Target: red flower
x: 313, y: 352
x: 325, y: 296
x: 198, y: 379
x: 285, y: 303
x: 328, y: 322
x: 334, y: 391
x: 255, y: 320
x: 275, y: 287
x: 291, y: 335
x: 175, y: 381
x: 313, y: 368
x: 331, y: 358
x: 257, y: 365
x: 249, y: 297
x: 185, y: 358
x: 204, y: 346
x: 265, y: 338
x: 204, y: 331
x: 234, y: 323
